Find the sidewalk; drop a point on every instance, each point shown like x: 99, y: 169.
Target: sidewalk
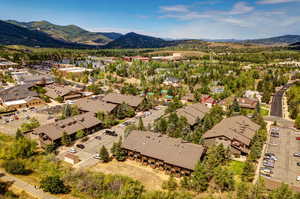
x: 257, y: 172
x: 28, y: 188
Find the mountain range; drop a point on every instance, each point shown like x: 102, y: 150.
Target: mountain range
x: 70, y: 33
x: 11, y: 34
x: 46, y: 34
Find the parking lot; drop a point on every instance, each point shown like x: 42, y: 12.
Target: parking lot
x: 283, y: 147
x: 92, y: 145
x: 10, y: 124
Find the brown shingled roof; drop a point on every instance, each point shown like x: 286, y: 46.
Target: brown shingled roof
x: 116, y: 98
x: 70, y: 125
x: 17, y: 93
x: 240, y: 128
x: 192, y: 112
x: 170, y: 150
x: 54, y: 90
x: 95, y: 105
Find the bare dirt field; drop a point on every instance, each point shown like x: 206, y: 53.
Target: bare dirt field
x: 151, y: 178
x: 186, y: 53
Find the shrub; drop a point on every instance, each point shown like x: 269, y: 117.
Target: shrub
x: 15, y: 167
x: 53, y: 184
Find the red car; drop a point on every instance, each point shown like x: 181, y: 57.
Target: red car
x: 297, y: 138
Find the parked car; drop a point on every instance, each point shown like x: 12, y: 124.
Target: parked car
x: 275, y: 135
x: 297, y: 154
x: 98, y: 137
x: 298, y: 178
x: 96, y: 156
x: 81, y: 146
x: 298, y: 163
x: 157, y: 108
x: 72, y: 150
x: 297, y: 138
x: 110, y: 132
x: 269, y: 154
x: 269, y: 164
x: 147, y: 113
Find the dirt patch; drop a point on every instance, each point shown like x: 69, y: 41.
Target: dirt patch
x: 151, y: 178
x: 185, y: 53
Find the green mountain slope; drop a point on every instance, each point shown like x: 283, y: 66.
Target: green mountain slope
x: 15, y: 35
x: 133, y: 40
x: 285, y: 39
x: 70, y: 33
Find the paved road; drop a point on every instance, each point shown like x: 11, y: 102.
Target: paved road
x: 276, y: 105
x: 28, y: 188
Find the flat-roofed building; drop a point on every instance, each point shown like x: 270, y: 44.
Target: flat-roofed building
x: 55, y: 91
x: 19, y: 96
x: 34, y: 79
x: 173, y: 155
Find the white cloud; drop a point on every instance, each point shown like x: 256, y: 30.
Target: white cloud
x: 237, y: 9
x: 175, y: 8
x: 241, y: 8
x: 256, y: 24
x: 276, y: 1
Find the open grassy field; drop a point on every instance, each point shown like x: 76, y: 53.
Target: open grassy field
x: 151, y: 178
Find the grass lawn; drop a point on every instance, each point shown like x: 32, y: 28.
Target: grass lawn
x: 236, y: 167
x: 264, y: 112
x: 151, y: 178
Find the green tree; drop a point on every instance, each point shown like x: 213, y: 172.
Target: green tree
x: 59, y: 99
x: 66, y: 139
x: 248, y: 172
x: 132, y: 190
x: 141, y: 126
x: 104, y: 155
x: 15, y: 167
x: 67, y: 111
x: 224, y: 179
x: 199, y: 180
x: 21, y: 148
x: 53, y: 184
x: 50, y: 148
x: 235, y: 107
x: 170, y: 184
x: 19, y: 134
x: 124, y: 110
x: 282, y: 192
x: 80, y: 134
x: 297, y: 122
x: 3, y: 187
x: 117, y: 151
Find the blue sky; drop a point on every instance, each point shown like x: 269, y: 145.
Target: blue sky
x: 214, y: 19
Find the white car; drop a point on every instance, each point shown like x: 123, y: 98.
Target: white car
x: 298, y: 178
x: 96, y: 156
x: 72, y: 150
x: 147, y: 113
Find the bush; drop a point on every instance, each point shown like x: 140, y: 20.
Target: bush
x: 54, y: 185
x: 15, y: 167
x: 170, y: 185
